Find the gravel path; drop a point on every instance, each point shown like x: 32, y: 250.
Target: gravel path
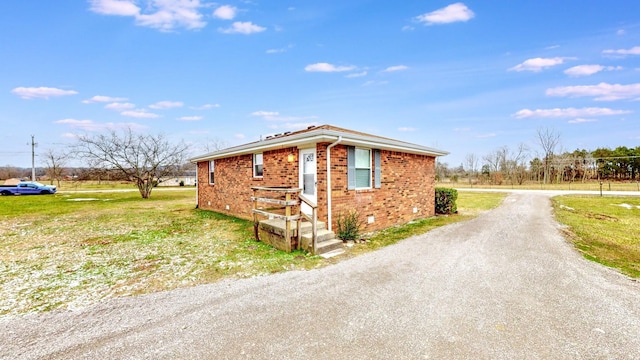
x: 505, y: 285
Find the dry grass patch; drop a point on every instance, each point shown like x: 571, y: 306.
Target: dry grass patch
x: 57, y: 253
x: 68, y: 251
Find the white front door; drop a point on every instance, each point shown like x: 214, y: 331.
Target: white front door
x: 308, y: 177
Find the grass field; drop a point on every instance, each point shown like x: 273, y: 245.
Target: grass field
x: 590, y: 185
x: 71, y: 250
x: 90, y: 185
x: 605, y: 229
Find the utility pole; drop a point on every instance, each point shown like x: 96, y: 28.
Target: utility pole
x: 33, y: 158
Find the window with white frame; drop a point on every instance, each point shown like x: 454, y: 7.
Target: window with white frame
x: 211, y: 170
x: 363, y: 168
x: 257, y: 165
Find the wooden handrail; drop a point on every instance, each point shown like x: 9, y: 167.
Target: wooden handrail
x: 313, y: 219
x: 281, y: 189
x: 275, y: 201
x: 307, y: 201
x: 288, y: 217
x: 285, y: 204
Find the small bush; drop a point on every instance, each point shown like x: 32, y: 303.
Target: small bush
x: 181, y: 182
x: 446, y: 201
x: 349, y: 225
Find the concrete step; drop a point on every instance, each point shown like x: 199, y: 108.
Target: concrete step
x: 334, y: 246
x: 326, y: 242
x: 333, y: 253
x: 322, y: 236
x: 306, y: 226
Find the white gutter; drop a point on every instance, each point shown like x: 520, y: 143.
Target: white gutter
x: 197, y: 186
x: 329, y: 180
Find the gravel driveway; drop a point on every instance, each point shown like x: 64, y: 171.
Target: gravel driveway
x: 502, y: 286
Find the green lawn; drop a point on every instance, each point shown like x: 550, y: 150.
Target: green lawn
x: 605, y: 229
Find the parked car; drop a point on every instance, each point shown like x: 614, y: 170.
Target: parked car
x: 27, y: 188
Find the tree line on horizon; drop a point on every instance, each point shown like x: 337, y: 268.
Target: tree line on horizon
x: 147, y: 159
x: 517, y: 166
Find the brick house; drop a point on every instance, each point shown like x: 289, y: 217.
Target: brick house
x: 389, y: 182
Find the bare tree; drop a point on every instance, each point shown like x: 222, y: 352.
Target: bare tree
x: 442, y: 170
x: 9, y: 172
x: 143, y: 159
x: 472, y: 165
x: 54, y: 164
x: 493, y: 161
x: 215, y: 144
x: 548, y: 139
x: 515, y: 163
x: 505, y: 163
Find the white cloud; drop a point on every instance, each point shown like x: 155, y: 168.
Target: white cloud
x: 623, y: 52
x: 265, y: 113
x: 114, y: 7
x: 326, y: 67
x: 485, y: 136
x: 41, y: 92
x: 164, y: 15
x: 205, y: 107
x: 101, y: 98
x: 161, y: 105
x: 69, y: 136
x: 395, y: 68
x: 407, y: 129
x: 407, y: 28
x: 581, y: 120
x: 620, y: 32
x: 199, y: 132
x: 567, y: 113
x: 90, y: 125
x: 239, y: 136
x: 246, y: 28
x: 140, y: 114
x: 538, y: 64
x: 190, y: 118
x: 277, y: 51
x: 225, y: 12
x: 586, y: 70
x: 373, y: 83
x: 275, y: 116
x: 356, y: 75
x: 449, y: 14
x: 601, y: 92
x: 118, y: 106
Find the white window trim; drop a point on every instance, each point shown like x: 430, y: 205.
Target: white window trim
x: 211, y: 165
x: 253, y: 165
x: 370, y: 186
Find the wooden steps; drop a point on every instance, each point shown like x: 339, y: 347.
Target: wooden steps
x: 326, y: 241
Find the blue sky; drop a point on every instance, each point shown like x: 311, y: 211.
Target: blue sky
x: 465, y: 77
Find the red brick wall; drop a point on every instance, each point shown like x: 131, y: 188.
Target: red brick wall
x: 234, y: 179
x: 407, y: 182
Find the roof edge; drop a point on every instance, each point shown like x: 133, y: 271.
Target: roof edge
x: 321, y: 135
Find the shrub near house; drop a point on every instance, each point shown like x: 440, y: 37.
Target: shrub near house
x: 446, y: 201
